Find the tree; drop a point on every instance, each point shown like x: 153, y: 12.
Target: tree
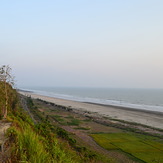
x: 6, y: 81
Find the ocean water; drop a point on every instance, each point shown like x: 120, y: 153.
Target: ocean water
x: 146, y: 99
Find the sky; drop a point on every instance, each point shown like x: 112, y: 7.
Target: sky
x: 83, y: 43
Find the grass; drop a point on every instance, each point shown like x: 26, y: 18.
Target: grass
x: 58, y: 118
x: 82, y: 128
x: 42, y: 142
x: 145, y: 148
x: 74, y: 122
x: 138, y: 147
x: 37, y: 143
x: 71, y: 120
x: 141, y: 148
x: 60, y: 145
x: 28, y: 146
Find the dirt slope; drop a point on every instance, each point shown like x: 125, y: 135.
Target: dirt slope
x: 4, y: 153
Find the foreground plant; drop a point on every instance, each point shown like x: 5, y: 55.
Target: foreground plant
x: 6, y: 81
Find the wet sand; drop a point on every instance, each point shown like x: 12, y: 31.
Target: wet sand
x: 150, y: 118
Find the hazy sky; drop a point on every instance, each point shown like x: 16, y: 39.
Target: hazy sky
x: 98, y: 43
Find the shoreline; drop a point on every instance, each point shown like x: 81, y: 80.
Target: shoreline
x: 145, y: 117
x: 127, y: 108
x: 153, y: 108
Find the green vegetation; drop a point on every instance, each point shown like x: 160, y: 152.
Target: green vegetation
x: 38, y: 143
x: 12, y: 100
x: 42, y: 140
x: 121, y: 151
x: 144, y: 148
x: 82, y: 128
x: 58, y: 118
x: 7, y: 99
x: 57, y: 144
x: 70, y: 120
x: 74, y: 122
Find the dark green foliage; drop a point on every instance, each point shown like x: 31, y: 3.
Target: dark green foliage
x: 81, y: 149
x: 30, y: 102
x: 82, y: 128
x: 37, y: 143
x: 88, y: 155
x: 62, y: 133
x: 44, y: 128
x: 72, y: 141
x: 57, y: 118
x: 74, y: 122
x: 51, y: 133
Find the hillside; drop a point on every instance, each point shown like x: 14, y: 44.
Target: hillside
x: 38, y: 131
x: 36, y: 140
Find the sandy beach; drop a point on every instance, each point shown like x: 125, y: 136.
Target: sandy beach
x: 150, y: 118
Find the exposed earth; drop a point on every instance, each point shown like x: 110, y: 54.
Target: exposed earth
x: 4, y: 151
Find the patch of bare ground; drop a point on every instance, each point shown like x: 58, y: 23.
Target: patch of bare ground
x: 120, y: 124
x: 5, y: 150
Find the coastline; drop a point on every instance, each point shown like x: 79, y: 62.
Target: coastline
x: 145, y: 117
x: 128, y: 108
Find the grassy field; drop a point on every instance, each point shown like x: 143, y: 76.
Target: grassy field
x: 127, y: 146
x: 37, y: 143
x: 144, y: 148
x: 58, y: 142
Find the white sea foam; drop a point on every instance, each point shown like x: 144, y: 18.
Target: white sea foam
x: 104, y: 101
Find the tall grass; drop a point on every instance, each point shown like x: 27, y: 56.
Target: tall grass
x: 44, y: 142
x: 30, y: 148
x: 36, y: 145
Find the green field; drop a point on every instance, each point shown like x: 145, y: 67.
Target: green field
x: 144, y: 148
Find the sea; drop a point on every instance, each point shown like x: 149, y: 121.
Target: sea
x: 143, y: 99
